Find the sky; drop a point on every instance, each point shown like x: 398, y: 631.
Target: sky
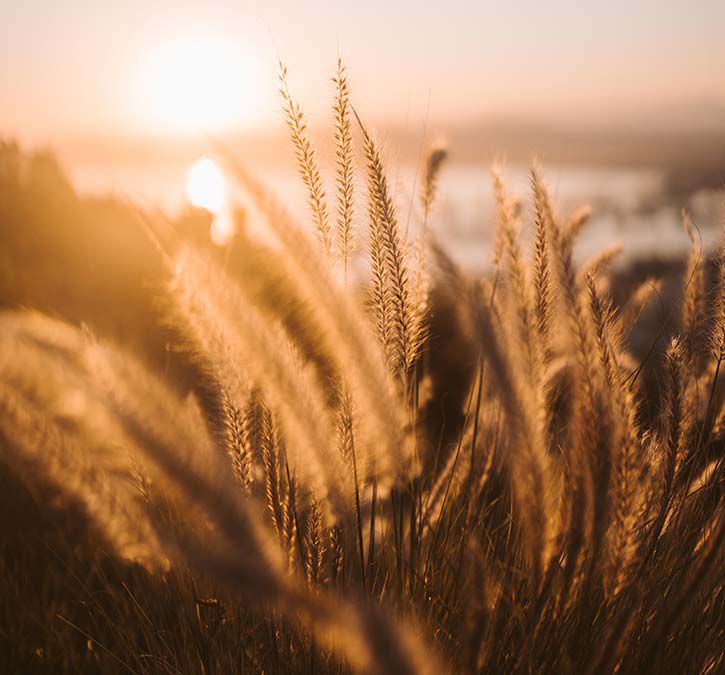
x: 102, y: 69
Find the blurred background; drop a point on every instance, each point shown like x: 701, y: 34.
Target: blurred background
x: 107, y: 108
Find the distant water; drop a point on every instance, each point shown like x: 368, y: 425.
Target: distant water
x: 629, y: 205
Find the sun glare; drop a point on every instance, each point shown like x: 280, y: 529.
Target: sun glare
x: 206, y: 186
x: 222, y: 228
x: 201, y: 86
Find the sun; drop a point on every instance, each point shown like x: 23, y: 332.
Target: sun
x: 201, y: 86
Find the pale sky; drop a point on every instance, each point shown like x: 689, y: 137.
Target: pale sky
x: 77, y: 68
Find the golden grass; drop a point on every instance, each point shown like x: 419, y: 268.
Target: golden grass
x: 561, y: 528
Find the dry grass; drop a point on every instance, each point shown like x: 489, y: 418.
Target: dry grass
x: 562, y: 527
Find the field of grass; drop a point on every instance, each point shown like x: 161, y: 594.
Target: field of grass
x: 245, y: 462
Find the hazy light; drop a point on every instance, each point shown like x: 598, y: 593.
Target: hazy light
x: 222, y: 228
x: 200, y: 86
x: 206, y: 186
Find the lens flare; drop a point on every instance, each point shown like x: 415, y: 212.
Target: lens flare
x: 222, y: 229
x: 206, y: 186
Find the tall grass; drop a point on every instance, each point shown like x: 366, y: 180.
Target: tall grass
x: 572, y: 522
